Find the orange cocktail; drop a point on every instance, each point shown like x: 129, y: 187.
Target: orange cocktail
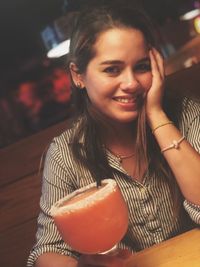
x: 92, y: 220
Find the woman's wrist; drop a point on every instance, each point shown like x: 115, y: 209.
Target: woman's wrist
x: 157, y: 118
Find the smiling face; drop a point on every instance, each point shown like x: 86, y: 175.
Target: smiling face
x: 119, y: 75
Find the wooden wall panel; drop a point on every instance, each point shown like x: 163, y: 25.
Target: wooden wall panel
x: 16, y: 243
x: 19, y: 201
x: 23, y: 157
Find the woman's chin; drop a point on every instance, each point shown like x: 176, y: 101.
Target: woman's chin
x: 126, y: 120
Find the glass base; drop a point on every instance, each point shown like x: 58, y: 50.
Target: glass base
x: 110, y: 251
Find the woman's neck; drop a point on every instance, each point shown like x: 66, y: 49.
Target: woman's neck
x: 121, y: 140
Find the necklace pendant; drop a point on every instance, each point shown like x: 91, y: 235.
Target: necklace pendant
x: 119, y: 158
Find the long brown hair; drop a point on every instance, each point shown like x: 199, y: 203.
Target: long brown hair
x: 91, y: 153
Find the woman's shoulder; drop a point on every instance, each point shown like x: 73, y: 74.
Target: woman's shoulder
x: 190, y: 102
x: 190, y: 108
x: 190, y: 115
x: 66, y: 137
x: 62, y: 143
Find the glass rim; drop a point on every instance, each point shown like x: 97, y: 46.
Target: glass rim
x: 57, y: 208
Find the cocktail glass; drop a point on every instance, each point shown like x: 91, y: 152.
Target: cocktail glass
x: 92, y: 219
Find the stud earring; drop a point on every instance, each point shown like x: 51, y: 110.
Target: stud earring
x: 79, y: 85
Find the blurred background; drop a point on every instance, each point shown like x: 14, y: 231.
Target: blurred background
x: 34, y: 85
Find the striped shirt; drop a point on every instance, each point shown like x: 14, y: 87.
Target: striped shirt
x: 151, y: 218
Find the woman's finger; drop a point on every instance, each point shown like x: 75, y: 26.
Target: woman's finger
x: 124, y: 253
x: 112, y: 260
x: 154, y: 66
x: 160, y: 62
x: 157, y: 68
x: 154, y: 69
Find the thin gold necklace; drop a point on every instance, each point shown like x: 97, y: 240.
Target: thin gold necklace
x: 122, y: 157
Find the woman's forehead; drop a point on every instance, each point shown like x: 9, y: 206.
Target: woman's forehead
x: 119, y: 40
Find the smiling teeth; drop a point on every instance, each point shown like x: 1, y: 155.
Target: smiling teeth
x: 125, y: 100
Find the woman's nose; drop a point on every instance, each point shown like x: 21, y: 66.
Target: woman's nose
x: 129, y: 82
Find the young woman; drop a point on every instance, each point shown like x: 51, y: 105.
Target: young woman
x: 123, y: 131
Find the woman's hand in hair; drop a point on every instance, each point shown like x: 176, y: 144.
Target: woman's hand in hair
x: 155, y: 93
x: 116, y: 259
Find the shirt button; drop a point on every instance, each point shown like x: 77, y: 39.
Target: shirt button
x: 142, y: 190
x: 150, y: 217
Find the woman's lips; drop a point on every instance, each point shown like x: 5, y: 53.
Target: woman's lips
x: 127, y: 103
x: 125, y: 99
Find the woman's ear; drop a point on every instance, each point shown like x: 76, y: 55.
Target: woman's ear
x: 76, y: 76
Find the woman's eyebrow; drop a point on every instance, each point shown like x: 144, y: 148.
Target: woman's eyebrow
x: 110, y: 62
x: 146, y: 59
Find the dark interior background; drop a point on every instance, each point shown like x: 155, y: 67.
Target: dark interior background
x: 23, y: 54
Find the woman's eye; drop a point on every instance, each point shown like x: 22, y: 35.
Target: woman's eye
x: 112, y: 70
x: 144, y: 67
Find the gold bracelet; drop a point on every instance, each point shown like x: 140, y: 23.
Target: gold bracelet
x: 175, y: 144
x: 161, y: 125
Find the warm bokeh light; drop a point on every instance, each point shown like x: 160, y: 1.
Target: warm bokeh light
x: 59, y: 50
x: 190, y: 15
x: 197, y: 24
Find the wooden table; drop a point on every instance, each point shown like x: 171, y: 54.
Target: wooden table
x: 180, y: 251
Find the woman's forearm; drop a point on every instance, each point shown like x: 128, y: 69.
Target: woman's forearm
x: 184, y: 161
x: 55, y: 260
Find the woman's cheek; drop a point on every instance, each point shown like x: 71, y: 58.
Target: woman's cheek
x: 148, y: 82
